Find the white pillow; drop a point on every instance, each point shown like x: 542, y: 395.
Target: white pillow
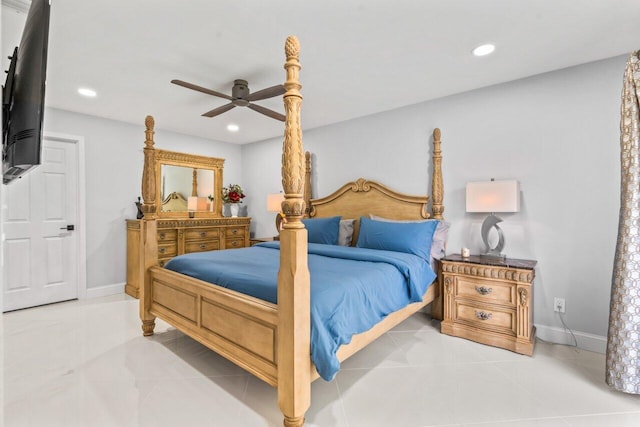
x: 439, y: 243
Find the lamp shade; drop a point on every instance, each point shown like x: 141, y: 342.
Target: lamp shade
x: 274, y: 202
x: 493, y: 196
x: 197, y: 203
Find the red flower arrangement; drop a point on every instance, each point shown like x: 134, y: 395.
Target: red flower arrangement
x: 232, y: 194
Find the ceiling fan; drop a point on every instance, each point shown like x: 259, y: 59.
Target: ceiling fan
x: 240, y: 97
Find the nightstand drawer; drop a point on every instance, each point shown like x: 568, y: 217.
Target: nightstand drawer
x: 486, y: 291
x: 487, y: 317
x: 201, y: 233
x: 201, y: 246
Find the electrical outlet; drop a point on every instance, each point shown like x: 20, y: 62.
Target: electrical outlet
x: 558, y: 305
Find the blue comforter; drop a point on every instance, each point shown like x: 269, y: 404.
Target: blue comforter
x: 352, y: 289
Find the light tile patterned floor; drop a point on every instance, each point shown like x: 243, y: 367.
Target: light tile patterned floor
x: 85, y: 363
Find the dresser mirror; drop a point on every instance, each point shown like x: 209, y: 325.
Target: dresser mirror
x: 186, y: 183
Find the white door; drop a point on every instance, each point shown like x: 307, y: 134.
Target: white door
x: 40, y: 253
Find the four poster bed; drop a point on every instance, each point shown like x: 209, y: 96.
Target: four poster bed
x: 273, y: 340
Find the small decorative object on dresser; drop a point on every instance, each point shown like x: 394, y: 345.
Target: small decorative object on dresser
x: 489, y: 301
x: 233, y: 195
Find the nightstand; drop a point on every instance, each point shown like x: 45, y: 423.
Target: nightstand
x: 256, y: 240
x: 489, y: 301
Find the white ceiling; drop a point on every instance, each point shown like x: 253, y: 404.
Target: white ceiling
x: 358, y: 57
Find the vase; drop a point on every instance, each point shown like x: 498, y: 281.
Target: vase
x: 234, y: 208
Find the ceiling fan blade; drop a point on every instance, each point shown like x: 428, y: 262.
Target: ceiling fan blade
x: 266, y: 93
x: 200, y: 89
x: 267, y: 112
x: 219, y: 110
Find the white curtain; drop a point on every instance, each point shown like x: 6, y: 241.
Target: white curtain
x: 623, y: 345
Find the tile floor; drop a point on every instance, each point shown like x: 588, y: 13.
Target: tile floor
x: 85, y: 363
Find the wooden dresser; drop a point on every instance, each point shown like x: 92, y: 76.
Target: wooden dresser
x: 489, y: 301
x: 182, y: 236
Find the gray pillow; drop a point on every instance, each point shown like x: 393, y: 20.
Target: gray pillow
x: 345, y: 232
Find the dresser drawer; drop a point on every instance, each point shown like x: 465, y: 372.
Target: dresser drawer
x: 201, y: 246
x: 234, y: 243
x: 201, y: 233
x: 486, y: 291
x: 486, y: 317
x: 167, y: 235
x: 167, y: 250
x: 234, y: 232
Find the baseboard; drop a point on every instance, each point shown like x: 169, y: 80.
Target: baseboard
x: 103, y: 291
x: 585, y: 340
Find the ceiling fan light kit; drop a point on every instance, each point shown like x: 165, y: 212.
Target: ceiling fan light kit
x: 241, y: 96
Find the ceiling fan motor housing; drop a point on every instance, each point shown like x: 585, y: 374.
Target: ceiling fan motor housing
x: 239, y: 93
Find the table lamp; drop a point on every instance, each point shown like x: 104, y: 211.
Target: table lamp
x: 493, y: 196
x: 274, y: 204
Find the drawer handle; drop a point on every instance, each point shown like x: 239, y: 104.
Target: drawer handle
x: 483, y: 290
x: 162, y: 263
x: 203, y: 246
x: 234, y: 231
x: 235, y: 243
x: 162, y: 250
x: 483, y: 316
x: 162, y: 236
x: 203, y: 234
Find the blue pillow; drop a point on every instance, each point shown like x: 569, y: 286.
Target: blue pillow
x: 323, y: 230
x: 410, y: 237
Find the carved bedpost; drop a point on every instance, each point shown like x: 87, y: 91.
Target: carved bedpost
x: 148, y: 229
x: 437, y: 188
x: 307, y: 183
x: 148, y: 172
x: 294, y: 362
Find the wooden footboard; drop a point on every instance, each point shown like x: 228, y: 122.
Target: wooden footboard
x: 241, y: 328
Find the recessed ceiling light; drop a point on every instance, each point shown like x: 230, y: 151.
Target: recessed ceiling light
x: 233, y: 127
x: 484, y: 49
x: 90, y: 93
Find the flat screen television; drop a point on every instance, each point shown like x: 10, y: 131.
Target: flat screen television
x: 23, y: 95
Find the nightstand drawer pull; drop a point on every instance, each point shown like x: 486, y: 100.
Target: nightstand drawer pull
x: 483, y: 290
x: 162, y: 236
x: 483, y: 316
x: 203, y: 246
x: 203, y: 234
x: 234, y: 231
x: 162, y: 250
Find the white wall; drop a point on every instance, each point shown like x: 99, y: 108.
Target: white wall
x: 113, y: 162
x: 557, y: 133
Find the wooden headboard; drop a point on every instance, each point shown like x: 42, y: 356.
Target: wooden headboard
x: 364, y: 198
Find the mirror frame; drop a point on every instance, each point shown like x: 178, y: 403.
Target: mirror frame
x: 193, y: 161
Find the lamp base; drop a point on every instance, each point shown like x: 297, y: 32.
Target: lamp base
x: 492, y: 252
x: 494, y: 256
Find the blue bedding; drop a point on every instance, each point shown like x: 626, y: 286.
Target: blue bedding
x: 352, y: 289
